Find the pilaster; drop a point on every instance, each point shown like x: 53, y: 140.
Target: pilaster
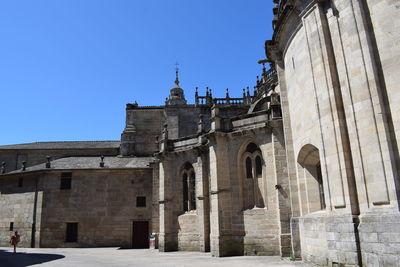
x: 202, y: 193
x: 223, y: 241
x: 168, y: 240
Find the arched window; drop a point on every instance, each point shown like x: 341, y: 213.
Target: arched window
x: 192, y: 193
x: 258, y: 166
x: 249, y: 168
x: 185, y: 191
x: 188, y: 187
x: 253, y: 182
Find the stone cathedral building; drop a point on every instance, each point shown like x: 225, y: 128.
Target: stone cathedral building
x: 306, y: 165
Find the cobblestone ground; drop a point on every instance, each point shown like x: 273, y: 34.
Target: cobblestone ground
x: 78, y: 257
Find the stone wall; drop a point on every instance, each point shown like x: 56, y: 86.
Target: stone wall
x: 103, y: 203
x: 183, y: 121
x: 237, y: 229
x: 335, y: 65
x: 142, y: 127
x: 327, y: 239
x: 188, y: 232
x: 385, y: 33
x: 179, y: 229
x: 380, y: 239
x: 261, y: 228
x: 23, y: 207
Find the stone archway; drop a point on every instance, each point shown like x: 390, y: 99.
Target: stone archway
x: 310, y: 179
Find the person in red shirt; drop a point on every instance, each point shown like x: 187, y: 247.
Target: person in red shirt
x: 15, y: 240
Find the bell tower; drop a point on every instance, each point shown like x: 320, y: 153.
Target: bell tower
x: 176, y: 95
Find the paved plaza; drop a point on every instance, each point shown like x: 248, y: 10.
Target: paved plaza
x: 128, y: 257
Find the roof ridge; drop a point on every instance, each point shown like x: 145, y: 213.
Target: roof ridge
x: 92, y: 141
x: 47, y: 142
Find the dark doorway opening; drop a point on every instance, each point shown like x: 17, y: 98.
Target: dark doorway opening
x: 140, y: 234
x: 72, y: 232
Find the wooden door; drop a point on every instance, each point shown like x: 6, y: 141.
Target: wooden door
x: 140, y: 234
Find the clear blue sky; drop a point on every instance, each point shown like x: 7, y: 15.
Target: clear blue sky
x: 68, y: 67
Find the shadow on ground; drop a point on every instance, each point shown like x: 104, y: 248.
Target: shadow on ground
x: 10, y: 259
x: 123, y: 248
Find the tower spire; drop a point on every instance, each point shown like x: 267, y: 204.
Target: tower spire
x: 176, y: 95
x: 176, y: 73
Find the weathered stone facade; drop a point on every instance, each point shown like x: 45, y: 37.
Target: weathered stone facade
x: 307, y: 166
x: 102, y: 201
x: 335, y: 66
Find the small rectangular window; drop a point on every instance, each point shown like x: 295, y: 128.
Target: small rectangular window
x: 11, y: 226
x: 140, y: 201
x: 72, y: 232
x: 66, y: 178
x: 20, y: 181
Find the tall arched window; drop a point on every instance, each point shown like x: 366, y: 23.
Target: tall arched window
x: 253, y: 182
x: 188, y: 187
x: 185, y: 192
x: 192, y: 193
x: 249, y: 168
x: 258, y: 166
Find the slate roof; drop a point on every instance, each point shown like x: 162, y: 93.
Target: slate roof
x: 64, y: 145
x: 81, y: 163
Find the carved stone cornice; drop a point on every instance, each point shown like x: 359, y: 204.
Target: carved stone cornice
x: 287, y: 20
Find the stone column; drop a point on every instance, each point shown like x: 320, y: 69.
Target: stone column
x: 168, y: 232
x: 291, y: 165
x: 155, y: 218
x: 223, y: 240
x: 202, y: 193
x: 282, y: 189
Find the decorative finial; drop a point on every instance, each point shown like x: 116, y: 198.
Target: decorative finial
x: 48, y: 163
x: 101, y: 162
x: 176, y: 72
x: 165, y: 132
x: 3, y: 167
x: 196, y: 96
x: 227, y: 92
x: 200, y: 126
